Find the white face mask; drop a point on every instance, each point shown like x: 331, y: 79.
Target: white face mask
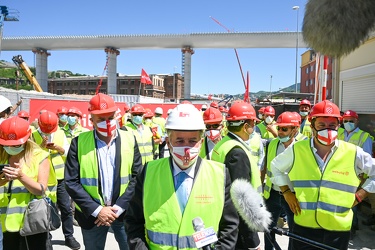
x: 326, y: 136
x: 260, y: 116
x: 269, y: 119
x: 107, y: 128
x: 302, y: 113
x: 13, y: 150
x: 185, y: 156
x: 213, y: 135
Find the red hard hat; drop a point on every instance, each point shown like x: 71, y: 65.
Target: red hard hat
x: 126, y: 107
x: 325, y: 109
x: 23, y: 114
x: 269, y: 110
x: 223, y: 109
x: 14, y: 131
x: 212, y: 116
x: 148, y: 113
x: 102, y: 104
x: 48, y: 122
x: 74, y: 110
x: 214, y: 105
x: 305, y: 102
x: 287, y: 119
x: 261, y: 110
x: 137, y: 109
x: 241, y: 111
x: 298, y: 117
x: 62, y: 110
x: 350, y: 113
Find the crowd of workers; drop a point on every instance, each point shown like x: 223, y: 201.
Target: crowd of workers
x: 309, y: 170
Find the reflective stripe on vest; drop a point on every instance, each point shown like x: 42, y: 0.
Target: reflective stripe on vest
x: 271, y: 154
x: 264, y: 133
x: 166, y: 227
x: 88, y: 161
x: 223, y: 147
x: 325, y: 199
x: 144, y: 142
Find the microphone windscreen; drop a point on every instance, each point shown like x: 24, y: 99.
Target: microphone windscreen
x: 337, y: 27
x: 250, y: 206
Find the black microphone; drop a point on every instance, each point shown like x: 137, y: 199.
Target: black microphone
x: 250, y: 206
x: 203, y: 237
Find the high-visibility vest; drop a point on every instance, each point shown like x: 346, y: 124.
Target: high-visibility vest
x: 144, y: 141
x: 358, y: 138
x: 88, y: 160
x: 13, y: 204
x: 255, y: 144
x: 306, y: 129
x: 155, y: 135
x: 301, y: 137
x: 203, y: 152
x: 264, y: 133
x: 161, y: 122
x: 222, y: 148
x: 166, y: 227
x: 271, y: 154
x: 56, y: 159
x: 72, y: 134
x: 325, y: 198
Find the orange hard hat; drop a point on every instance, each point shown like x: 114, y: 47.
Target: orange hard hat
x: 75, y: 111
x: 48, y: 122
x: 214, y: 105
x: 269, y: 110
x: 350, y: 113
x: 325, y: 109
x: 137, y: 109
x: 62, y: 110
x: 261, y: 110
x: 305, y: 102
x: 23, y: 114
x: 212, y: 116
x: 241, y: 111
x: 14, y: 131
x: 148, y: 113
x: 102, y: 104
x: 287, y: 119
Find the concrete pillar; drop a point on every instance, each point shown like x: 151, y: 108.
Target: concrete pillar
x: 41, y: 67
x: 187, y: 51
x: 112, y: 54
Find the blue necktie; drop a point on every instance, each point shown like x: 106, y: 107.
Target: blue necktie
x: 182, y: 190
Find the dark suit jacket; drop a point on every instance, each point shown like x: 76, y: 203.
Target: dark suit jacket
x: 134, y: 218
x: 87, y: 204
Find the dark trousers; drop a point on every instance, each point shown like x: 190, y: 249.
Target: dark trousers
x: 339, y: 240
x: 14, y: 241
x: 275, y: 205
x: 161, y: 149
x: 63, y: 203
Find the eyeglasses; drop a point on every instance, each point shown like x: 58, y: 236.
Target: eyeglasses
x: 347, y: 121
x: 284, y: 129
x: 212, y: 126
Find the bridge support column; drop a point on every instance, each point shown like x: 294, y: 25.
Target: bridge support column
x: 186, y: 70
x: 41, y: 67
x: 112, y: 54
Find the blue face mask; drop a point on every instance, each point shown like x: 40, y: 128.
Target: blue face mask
x: 349, y: 126
x: 72, y: 120
x: 13, y: 150
x: 63, y: 118
x: 284, y: 139
x: 303, y: 113
x: 137, y: 119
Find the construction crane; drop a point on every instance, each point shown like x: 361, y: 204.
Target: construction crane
x: 27, y: 72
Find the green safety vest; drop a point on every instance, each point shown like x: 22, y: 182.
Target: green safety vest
x: 255, y: 143
x: 88, y: 160
x: 203, y: 152
x: 301, y: 137
x: 358, y: 138
x: 166, y: 227
x: 325, y: 198
x: 144, y: 141
x: 264, y: 133
x: 271, y: 154
x: 56, y: 160
x: 306, y: 129
x: 222, y: 148
x: 161, y: 122
x: 72, y: 134
x: 155, y: 135
x: 13, y: 204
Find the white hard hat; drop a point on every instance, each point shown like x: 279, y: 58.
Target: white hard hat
x: 4, y: 103
x: 204, y: 106
x: 185, y: 117
x: 159, y: 111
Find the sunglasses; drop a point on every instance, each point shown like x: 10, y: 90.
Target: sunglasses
x: 347, y: 121
x: 284, y: 129
x: 212, y: 126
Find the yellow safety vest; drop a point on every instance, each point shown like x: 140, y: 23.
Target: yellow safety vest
x: 166, y: 227
x: 306, y: 129
x: 144, y: 141
x: 154, y: 128
x: 264, y: 133
x: 325, y: 198
x: 72, y: 134
x: 222, y: 148
x: 161, y: 122
x: 255, y: 142
x: 56, y: 159
x: 358, y: 138
x: 203, y: 152
x: 271, y: 154
x: 88, y: 160
x: 13, y: 204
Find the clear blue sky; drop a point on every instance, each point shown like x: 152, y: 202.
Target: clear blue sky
x: 213, y: 70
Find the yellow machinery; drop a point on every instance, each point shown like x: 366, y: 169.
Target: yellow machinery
x: 27, y: 72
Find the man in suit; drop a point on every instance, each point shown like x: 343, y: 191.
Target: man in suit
x: 100, y: 175
x: 171, y: 192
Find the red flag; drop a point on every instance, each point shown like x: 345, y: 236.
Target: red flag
x: 145, y: 78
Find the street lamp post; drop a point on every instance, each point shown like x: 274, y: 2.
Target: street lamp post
x: 271, y: 87
x: 295, y: 80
